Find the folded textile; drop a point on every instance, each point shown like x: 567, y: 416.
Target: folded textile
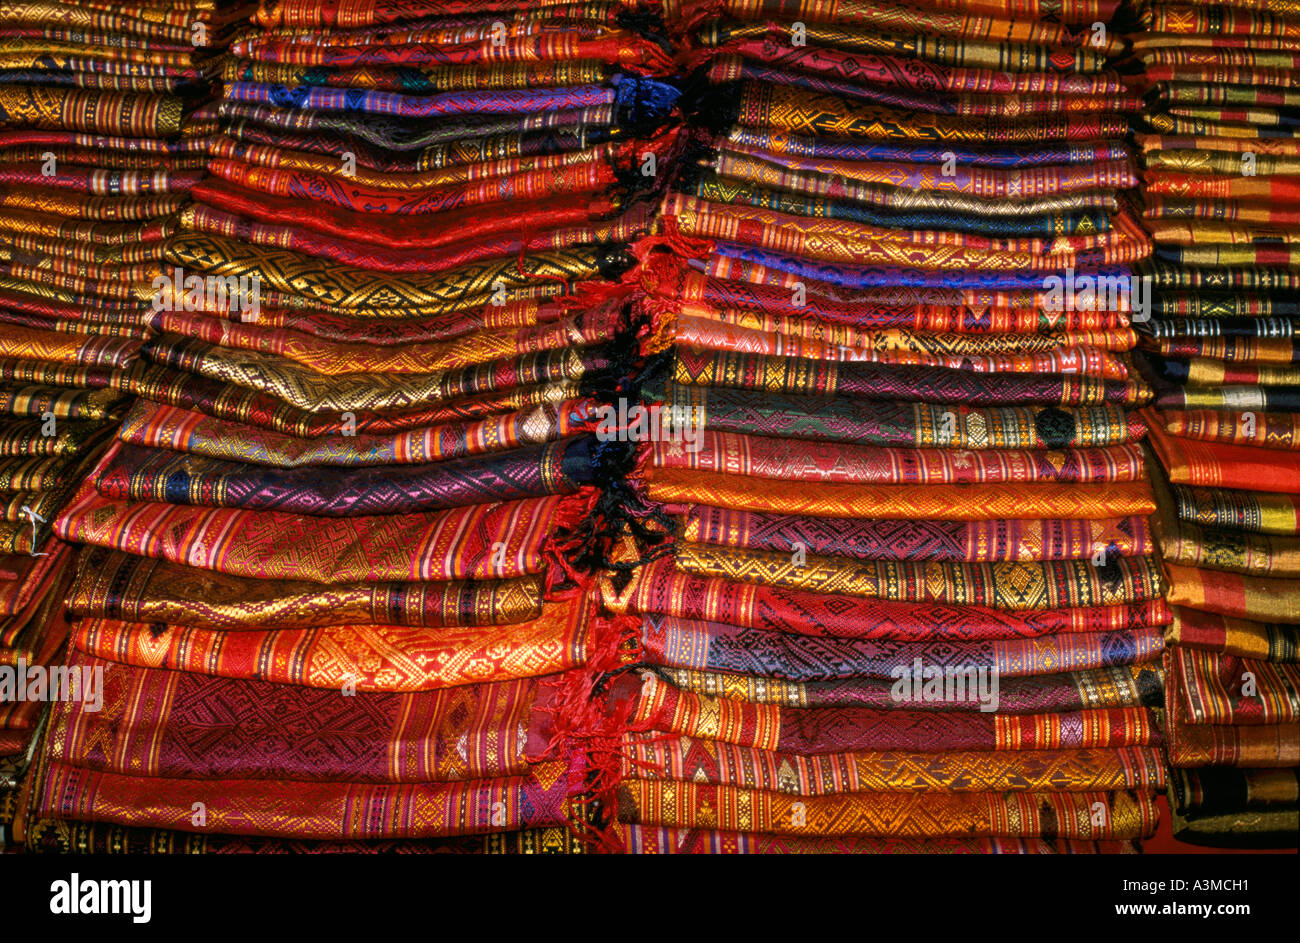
x: 1255, y: 598
x: 1235, y: 808
x: 151, y: 724
x: 131, y: 473
x: 128, y: 588
x: 1045, y: 585
x: 685, y: 760
x: 998, y: 540
x: 1128, y: 686
x: 1054, y: 814
x: 762, y: 456
x: 934, y: 502
x: 316, y: 810
x: 1226, y: 689
x: 487, y: 541
x: 659, y: 587
x: 660, y: 840
x: 1215, y: 464
x: 832, y: 730
x: 711, y: 646
x: 1196, y: 629
x: 363, y: 657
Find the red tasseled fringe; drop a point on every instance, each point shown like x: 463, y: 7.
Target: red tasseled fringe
x: 561, y: 543
x: 593, y: 723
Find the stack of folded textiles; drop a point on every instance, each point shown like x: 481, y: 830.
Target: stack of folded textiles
x: 1221, y: 175
x: 328, y: 551
x: 904, y: 596
x: 104, y: 113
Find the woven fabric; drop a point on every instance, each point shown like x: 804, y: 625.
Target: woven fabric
x: 831, y: 730
x: 660, y: 588
x: 453, y: 544
x: 684, y: 760
x: 1047, y: 585
x: 361, y: 657
x: 710, y: 646
x: 151, y: 720
x: 935, y: 502
x: 935, y: 541
x: 809, y: 460
x: 1130, y: 815
x: 1226, y: 689
x: 312, y: 810
x: 129, y: 588
x: 1194, y: 628
x: 1129, y: 686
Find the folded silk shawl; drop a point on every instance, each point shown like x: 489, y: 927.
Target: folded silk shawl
x: 67, y: 836
x: 1215, y: 464
x: 334, y: 359
x: 111, y: 113
x: 68, y: 349
x: 152, y: 723
x: 900, y: 318
x: 658, y: 587
x: 27, y: 578
x: 305, y: 390
x: 1006, y: 274
x: 831, y: 315
x: 801, y: 111
x: 998, y: 540
x: 363, y: 657
x: 835, y: 241
x: 657, y: 840
x: 1043, y: 230
x: 182, y: 430
x: 1078, y: 352
x: 319, y: 810
x: 1235, y: 808
x: 906, y: 424
x: 685, y: 759
x: 129, y: 588
x: 659, y: 706
x: 1053, y: 814
x: 1209, y: 631
x: 979, y: 19
x: 1200, y: 745
x: 760, y: 456
x: 793, y: 375
x: 342, y: 288
x: 409, y: 138
x: 1237, y: 551
x: 536, y: 234
x: 682, y: 643
x: 1255, y: 511
x: 1226, y: 689
x: 1043, y: 585
x: 530, y: 381
x: 857, y: 87
x: 487, y: 541
x: 678, y: 487
x: 255, y: 212
x: 589, y: 178
x: 877, y: 70
x: 129, y: 472
x: 755, y: 271
x: 1119, y: 686
x: 1267, y: 430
